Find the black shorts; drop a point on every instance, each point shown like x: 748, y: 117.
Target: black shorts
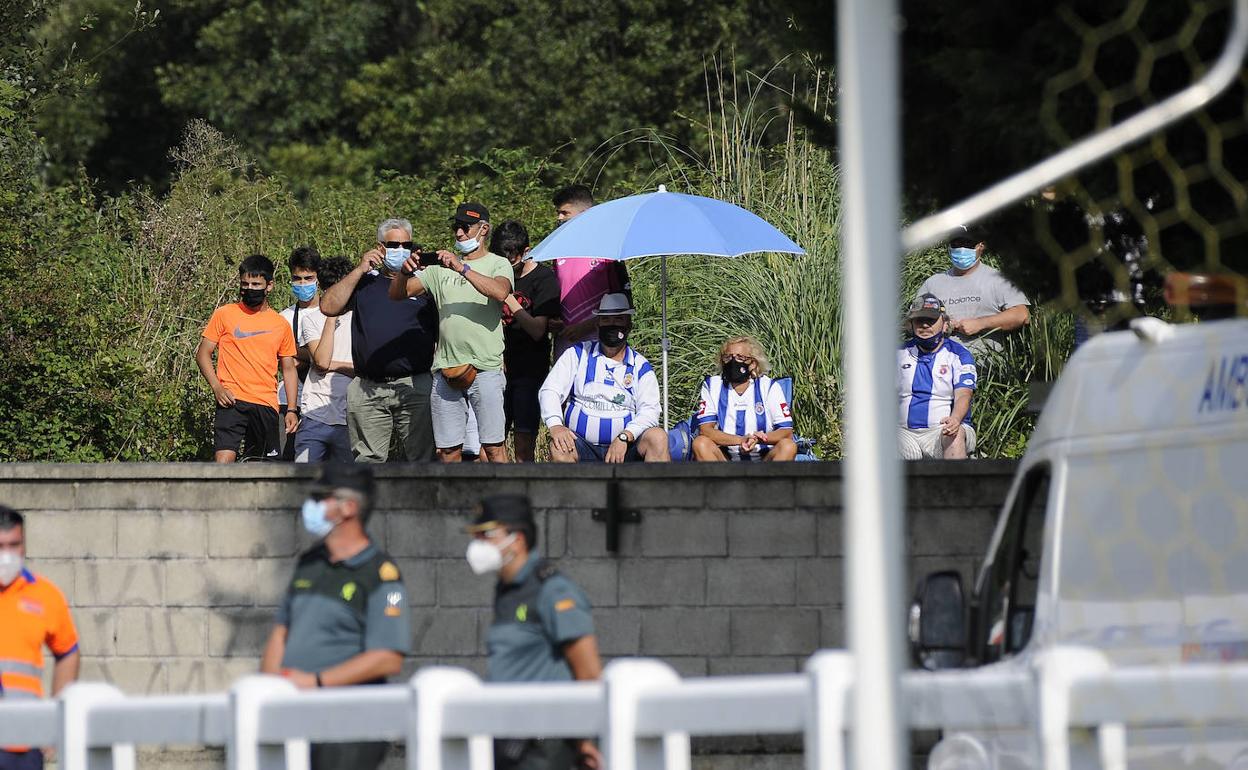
x: 597, y: 453
x: 253, y: 427
x: 520, y: 405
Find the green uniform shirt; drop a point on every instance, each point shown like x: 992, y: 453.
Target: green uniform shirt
x: 470, y: 325
x: 535, y: 615
x: 334, y: 611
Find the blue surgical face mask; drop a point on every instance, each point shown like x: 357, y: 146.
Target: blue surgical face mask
x: 468, y: 246
x: 396, y: 257
x: 314, y: 519
x: 303, y: 291
x: 963, y: 258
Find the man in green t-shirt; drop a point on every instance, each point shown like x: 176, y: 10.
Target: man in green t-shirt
x: 468, y: 364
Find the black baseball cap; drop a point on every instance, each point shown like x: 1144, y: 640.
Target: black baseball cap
x: 353, y: 476
x: 968, y: 236
x: 470, y: 213
x: 927, y: 306
x: 511, y: 511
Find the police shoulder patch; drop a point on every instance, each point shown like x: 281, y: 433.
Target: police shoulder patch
x: 388, y: 571
x: 563, y: 605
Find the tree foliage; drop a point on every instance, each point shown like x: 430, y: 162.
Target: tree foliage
x: 321, y: 90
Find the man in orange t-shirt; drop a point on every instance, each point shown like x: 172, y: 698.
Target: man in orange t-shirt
x: 251, y: 340
x: 33, y: 613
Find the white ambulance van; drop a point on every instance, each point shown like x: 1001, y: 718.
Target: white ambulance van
x: 1125, y: 530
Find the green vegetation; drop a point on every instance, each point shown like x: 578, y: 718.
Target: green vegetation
x: 105, y: 284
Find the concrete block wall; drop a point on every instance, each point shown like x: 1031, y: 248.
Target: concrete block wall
x: 174, y: 571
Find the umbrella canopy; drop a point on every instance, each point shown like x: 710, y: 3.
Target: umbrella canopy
x: 661, y: 224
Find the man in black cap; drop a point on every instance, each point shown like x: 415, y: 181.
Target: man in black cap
x: 469, y: 290
x: 542, y: 629
x: 936, y: 379
x: 344, y: 620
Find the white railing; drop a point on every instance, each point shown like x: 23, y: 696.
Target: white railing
x: 642, y: 712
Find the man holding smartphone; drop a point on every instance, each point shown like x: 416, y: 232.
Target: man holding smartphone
x: 469, y: 290
x: 391, y: 350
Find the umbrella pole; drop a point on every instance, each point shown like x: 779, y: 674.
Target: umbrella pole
x: 665, y: 343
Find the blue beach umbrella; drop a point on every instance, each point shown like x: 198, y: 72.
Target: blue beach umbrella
x: 663, y: 224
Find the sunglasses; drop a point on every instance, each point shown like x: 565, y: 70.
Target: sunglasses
x: 465, y: 226
x: 739, y: 359
x: 399, y: 245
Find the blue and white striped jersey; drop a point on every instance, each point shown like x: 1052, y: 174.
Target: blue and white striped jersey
x: 926, y: 381
x: 761, y: 407
x: 597, y: 397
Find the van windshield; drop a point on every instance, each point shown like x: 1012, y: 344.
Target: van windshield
x: 1154, y: 554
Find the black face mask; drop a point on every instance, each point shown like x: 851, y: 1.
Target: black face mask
x: 253, y: 298
x: 612, y: 336
x: 736, y: 372
x: 931, y: 343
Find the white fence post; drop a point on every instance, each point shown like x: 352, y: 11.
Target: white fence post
x: 428, y: 748
x: 625, y: 681
x: 245, y: 750
x: 867, y: 73
x: 831, y: 675
x: 76, y: 704
x: 1057, y: 669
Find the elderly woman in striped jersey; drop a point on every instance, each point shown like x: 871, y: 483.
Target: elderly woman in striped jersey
x: 742, y: 413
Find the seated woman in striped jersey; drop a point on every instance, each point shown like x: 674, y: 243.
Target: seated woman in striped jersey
x: 743, y: 414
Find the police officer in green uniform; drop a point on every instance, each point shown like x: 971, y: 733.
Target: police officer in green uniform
x: 344, y: 619
x: 542, y: 629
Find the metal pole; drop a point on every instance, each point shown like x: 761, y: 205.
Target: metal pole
x: 868, y: 73
x: 664, y: 343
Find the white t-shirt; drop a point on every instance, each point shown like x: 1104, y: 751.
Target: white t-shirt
x: 324, y: 396
x: 289, y: 315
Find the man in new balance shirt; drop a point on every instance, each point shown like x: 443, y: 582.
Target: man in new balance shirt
x: 344, y: 619
x: 742, y: 413
x: 542, y: 630
x: 33, y: 614
x: 601, y: 399
x: 935, y: 383
x: 982, y: 305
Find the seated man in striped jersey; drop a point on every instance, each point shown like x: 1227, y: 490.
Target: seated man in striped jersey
x: 936, y: 380
x: 742, y: 413
x: 601, y: 399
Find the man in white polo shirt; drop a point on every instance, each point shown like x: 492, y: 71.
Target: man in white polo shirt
x: 601, y: 398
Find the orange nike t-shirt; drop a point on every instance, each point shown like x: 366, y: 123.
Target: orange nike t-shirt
x: 249, y: 344
x: 33, y: 613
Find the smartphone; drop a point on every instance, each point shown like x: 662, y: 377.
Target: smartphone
x: 428, y: 258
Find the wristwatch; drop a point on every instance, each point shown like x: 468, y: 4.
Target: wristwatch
x: 624, y: 436
x: 464, y: 270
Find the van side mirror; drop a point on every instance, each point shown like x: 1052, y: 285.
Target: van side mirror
x: 938, y: 622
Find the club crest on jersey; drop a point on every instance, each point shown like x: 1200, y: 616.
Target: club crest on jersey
x: 944, y: 370
x: 758, y: 409
x: 784, y: 409
x: 628, y: 380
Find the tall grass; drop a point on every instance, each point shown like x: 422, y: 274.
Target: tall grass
x: 167, y: 261
x: 757, y: 156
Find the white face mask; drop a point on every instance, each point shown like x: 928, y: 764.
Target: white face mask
x: 468, y: 246
x: 485, y: 557
x: 10, y: 566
